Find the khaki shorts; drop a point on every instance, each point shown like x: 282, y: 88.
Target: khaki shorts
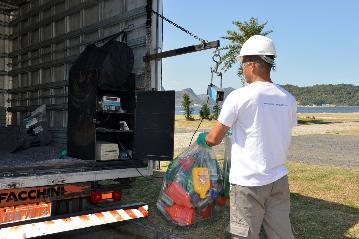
x: 250, y: 207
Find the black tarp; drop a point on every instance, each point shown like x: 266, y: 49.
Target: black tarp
x: 106, y: 67
x: 116, y: 66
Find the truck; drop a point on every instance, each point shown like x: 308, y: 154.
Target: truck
x: 41, y: 190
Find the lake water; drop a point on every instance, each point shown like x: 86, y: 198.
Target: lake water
x: 316, y: 109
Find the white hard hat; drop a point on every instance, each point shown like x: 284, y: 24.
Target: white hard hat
x: 258, y: 45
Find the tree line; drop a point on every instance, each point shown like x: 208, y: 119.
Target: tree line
x: 204, y: 113
x: 342, y: 94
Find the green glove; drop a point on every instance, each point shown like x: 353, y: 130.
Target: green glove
x: 201, y: 140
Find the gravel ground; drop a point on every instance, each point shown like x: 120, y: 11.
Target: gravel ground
x: 337, y: 150
x: 322, y: 149
x: 310, y: 144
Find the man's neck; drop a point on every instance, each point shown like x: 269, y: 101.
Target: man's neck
x: 262, y: 79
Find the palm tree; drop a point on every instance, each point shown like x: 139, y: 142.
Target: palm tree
x: 237, y: 37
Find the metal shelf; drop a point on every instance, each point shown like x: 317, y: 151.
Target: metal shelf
x: 114, y: 91
x: 114, y: 112
x: 105, y: 130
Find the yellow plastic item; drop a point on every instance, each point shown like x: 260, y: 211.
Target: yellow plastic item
x: 201, y: 181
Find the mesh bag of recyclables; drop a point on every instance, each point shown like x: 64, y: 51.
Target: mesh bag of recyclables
x: 192, y: 188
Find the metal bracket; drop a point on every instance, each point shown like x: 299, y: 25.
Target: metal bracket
x: 181, y: 51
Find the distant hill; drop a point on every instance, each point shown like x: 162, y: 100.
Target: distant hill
x: 198, y: 99
x: 195, y: 99
x: 342, y: 94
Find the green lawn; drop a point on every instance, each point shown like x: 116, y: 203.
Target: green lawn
x: 325, y: 204
x: 325, y: 201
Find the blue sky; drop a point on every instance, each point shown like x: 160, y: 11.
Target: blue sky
x: 317, y: 41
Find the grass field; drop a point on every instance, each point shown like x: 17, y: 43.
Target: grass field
x: 181, y: 122
x: 332, y: 117
x: 325, y: 199
x: 325, y: 204
x: 346, y: 132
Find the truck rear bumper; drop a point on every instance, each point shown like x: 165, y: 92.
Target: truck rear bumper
x: 52, y: 225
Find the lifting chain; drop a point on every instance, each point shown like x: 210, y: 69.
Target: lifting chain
x: 216, y: 58
x: 179, y: 27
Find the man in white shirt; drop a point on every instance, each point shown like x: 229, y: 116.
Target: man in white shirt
x: 261, y: 116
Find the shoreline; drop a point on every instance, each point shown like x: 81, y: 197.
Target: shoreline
x: 300, y: 109
x: 328, y: 106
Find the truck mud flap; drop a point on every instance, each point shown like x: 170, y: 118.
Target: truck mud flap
x: 65, y: 223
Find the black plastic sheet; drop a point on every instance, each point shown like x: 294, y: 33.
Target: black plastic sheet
x: 97, y: 68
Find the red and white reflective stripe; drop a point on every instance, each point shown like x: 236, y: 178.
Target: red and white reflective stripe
x: 72, y: 223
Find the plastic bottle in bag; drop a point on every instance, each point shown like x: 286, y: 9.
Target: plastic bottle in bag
x: 161, y: 207
x: 205, y: 202
x: 201, y: 181
x: 190, y: 186
x: 172, y: 170
x: 194, y: 185
x: 195, y: 199
x: 212, y: 166
x: 214, y: 193
x: 166, y: 199
x: 181, y: 178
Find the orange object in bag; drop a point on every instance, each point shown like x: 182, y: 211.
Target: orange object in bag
x: 179, y: 195
x: 182, y: 215
x: 201, y: 181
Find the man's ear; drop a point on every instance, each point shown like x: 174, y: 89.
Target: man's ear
x: 253, y: 68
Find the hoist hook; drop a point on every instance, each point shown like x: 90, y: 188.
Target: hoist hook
x: 217, y: 59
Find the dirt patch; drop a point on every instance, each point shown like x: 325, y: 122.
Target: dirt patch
x: 322, y: 149
x: 330, y: 128
x: 338, y: 150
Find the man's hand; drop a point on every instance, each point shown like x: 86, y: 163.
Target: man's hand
x: 216, y: 135
x: 201, y: 140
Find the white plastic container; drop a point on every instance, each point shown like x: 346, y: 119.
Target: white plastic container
x: 106, y: 151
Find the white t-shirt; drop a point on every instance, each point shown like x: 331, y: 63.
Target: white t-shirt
x: 261, y: 115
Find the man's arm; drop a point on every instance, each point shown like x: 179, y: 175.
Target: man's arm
x: 226, y: 119
x: 216, y: 135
